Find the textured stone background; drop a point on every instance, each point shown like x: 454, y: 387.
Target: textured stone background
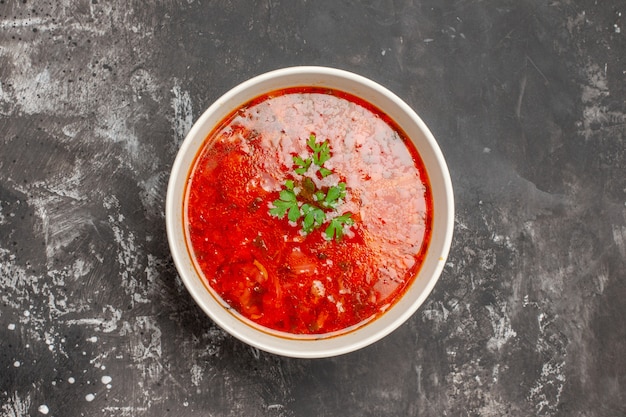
x: 527, y: 99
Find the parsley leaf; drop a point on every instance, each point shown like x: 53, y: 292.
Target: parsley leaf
x: 303, y: 164
x: 314, y: 217
x: 335, y: 228
x: 334, y: 194
x: 294, y: 213
x: 287, y: 203
x: 280, y: 208
x: 325, y: 171
x: 287, y: 195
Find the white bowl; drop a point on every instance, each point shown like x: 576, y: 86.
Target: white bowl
x: 443, y: 211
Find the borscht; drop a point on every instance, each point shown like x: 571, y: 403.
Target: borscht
x: 308, y: 211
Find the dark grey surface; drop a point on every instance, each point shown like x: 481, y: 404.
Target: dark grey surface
x: 527, y: 100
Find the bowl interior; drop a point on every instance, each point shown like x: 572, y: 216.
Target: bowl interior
x: 443, y: 210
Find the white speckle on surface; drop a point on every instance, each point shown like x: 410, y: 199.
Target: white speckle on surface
x: 486, y: 150
x: 114, y: 126
x: 107, y: 323
x: 553, y: 379
x: 129, y: 259
x: 71, y: 130
x: 602, y: 279
x: 11, y: 326
x: 619, y: 237
x: 183, y: 114
x: 596, y: 113
x: 43, y: 409
x: 143, y: 82
x: 106, y: 379
x: 495, y: 372
x: 17, y: 364
x: 26, y: 313
x: 196, y: 375
x: 92, y: 339
x: 527, y: 302
x: 71, y: 380
x: 502, y: 330
x: 436, y: 312
x: 185, y: 404
x: 16, y: 406
x: 90, y: 397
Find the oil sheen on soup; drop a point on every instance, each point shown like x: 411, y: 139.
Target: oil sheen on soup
x: 308, y: 211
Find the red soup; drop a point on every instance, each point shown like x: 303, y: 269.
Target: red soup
x: 308, y: 211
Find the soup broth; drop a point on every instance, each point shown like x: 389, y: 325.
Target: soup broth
x: 308, y: 211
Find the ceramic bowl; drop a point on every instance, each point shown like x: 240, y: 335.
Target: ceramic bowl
x: 443, y: 209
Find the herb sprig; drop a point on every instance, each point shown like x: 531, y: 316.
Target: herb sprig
x: 307, y: 205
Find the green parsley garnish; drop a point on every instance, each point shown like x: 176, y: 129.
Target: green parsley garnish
x: 335, y: 228
x: 304, y: 203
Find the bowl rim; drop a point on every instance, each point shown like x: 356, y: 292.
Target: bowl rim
x: 309, y: 347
